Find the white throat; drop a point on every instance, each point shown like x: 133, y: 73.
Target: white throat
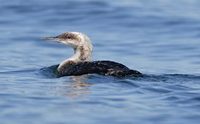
x: 82, y: 52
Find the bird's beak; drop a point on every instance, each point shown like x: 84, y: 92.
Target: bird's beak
x: 50, y: 38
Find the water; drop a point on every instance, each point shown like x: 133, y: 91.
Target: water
x: 159, y: 38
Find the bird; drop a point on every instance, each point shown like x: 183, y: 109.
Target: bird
x: 81, y: 62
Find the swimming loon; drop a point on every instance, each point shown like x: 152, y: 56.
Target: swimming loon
x: 81, y: 63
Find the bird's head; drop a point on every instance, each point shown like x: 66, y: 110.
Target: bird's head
x: 73, y: 39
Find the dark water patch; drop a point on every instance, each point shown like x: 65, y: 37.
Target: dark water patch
x: 171, y: 77
x: 19, y: 71
x: 101, y: 103
x: 157, y: 90
x: 49, y: 72
x: 128, y: 83
x: 196, y: 99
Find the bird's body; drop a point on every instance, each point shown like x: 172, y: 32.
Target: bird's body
x: 97, y: 67
x: 80, y: 63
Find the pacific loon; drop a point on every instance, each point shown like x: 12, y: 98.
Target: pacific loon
x: 81, y: 63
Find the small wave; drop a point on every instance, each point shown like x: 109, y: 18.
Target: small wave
x: 168, y: 77
x: 19, y: 71
x: 49, y: 71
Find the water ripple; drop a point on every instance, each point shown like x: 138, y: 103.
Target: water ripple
x: 160, y: 38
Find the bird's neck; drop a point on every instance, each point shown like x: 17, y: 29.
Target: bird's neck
x: 81, y: 54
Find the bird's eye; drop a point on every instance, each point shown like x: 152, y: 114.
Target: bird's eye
x: 66, y: 36
x: 69, y: 37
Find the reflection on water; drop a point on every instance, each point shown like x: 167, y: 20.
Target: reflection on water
x: 79, y: 87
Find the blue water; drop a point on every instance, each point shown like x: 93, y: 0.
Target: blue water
x: 160, y: 38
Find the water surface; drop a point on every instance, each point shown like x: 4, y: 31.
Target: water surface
x: 160, y: 39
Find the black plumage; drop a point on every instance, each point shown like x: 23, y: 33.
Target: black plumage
x: 96, y: 67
